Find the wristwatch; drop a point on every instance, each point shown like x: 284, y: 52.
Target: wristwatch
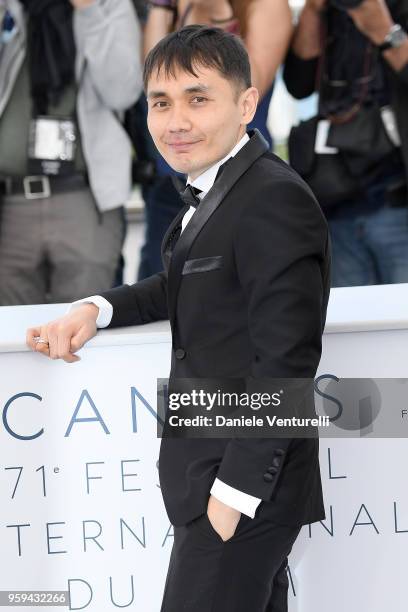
x: 394, y: 39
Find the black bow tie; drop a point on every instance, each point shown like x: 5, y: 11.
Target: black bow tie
x: 190, y: 194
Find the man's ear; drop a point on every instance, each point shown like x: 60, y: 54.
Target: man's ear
x: 249, y: 102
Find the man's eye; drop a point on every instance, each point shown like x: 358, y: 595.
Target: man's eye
x: 199, y: 99
x: 157, y: 104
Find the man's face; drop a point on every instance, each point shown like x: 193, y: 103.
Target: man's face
x: 196, y: 121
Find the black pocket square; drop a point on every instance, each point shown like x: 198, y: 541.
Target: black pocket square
x: 202, y: 264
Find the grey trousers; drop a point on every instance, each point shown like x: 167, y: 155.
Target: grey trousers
x: 57, y: 249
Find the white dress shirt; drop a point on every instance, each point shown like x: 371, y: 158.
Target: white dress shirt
x: 245, y: 503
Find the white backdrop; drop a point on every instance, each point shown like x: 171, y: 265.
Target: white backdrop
x: 84, y: 490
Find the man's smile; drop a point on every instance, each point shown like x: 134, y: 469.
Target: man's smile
x: 182, y: 146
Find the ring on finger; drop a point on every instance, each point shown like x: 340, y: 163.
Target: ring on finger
x: 39, y: 340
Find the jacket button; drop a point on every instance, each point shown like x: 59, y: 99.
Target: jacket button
x: 272, y: 470
x: 276, y: 462
x: 279, y: 451
x: 180, y: 353
x: 268, y: 477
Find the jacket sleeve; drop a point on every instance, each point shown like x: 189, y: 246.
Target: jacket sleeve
x: 299, y: 75
x: 281, y: 250
x: 108, y: 37
x: 143, y: 302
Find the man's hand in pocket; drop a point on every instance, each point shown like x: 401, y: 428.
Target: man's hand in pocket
x: 223, y: 518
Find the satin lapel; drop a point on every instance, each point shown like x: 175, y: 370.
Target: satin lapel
x: 254, y: 148
x: 166, y: 246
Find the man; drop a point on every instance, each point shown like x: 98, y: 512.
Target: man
x: 266, y: 29
x: 363, y: 63
x: 68, y: 71
x: 245, y: 285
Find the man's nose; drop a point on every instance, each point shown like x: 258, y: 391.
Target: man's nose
x: 178, y: 119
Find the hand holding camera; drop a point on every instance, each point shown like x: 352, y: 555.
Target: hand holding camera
x: 371, y: 17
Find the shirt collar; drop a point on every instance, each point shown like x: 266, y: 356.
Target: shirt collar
x: 205, y: 181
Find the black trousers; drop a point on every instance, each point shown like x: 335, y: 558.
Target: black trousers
x: 247, y: 573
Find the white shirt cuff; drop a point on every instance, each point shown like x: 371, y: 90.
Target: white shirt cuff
x: 105, y: 309
x: 245, y: 503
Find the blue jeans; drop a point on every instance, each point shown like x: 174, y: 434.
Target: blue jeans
x: 121, y: 262
x: 371, y: 248
x: 162, y: 204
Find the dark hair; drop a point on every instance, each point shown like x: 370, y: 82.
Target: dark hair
x: 198, y: 45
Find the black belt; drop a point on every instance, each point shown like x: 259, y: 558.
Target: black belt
x: 41, y: 186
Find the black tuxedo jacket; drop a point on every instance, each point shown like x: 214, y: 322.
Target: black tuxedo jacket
x: 245, y: 287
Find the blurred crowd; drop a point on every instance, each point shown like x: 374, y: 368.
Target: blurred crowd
x: 74, y: 137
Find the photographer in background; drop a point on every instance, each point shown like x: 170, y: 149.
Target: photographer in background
x: 68, y: 71
x: 354, y: 153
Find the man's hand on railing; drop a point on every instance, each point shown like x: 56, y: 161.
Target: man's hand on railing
x: 61, y: 338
